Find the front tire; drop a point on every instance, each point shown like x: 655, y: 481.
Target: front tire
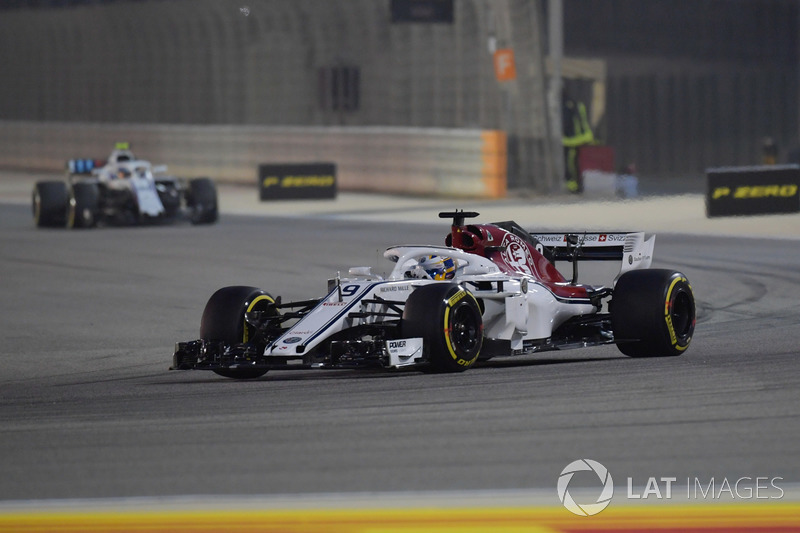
x: 50, y: 201
x: 653, y: 313
x: 223, y: 320
x: 202, y: 200
x: 448, y: 319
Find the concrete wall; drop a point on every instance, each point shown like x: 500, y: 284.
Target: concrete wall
x: 438, y: 162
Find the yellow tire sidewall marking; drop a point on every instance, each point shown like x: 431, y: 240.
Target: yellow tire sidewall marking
x: 450, y: 303
x: 37, y: 207
x: 668, y: 317
x: 71, y: 212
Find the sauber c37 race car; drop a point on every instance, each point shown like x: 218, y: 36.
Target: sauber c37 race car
x: 492, y: 290
x: 121, y: 190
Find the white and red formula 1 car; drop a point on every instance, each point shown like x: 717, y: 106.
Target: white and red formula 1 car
x: 492, y: 290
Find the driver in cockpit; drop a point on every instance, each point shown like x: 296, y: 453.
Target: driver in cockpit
x: 433, y: 267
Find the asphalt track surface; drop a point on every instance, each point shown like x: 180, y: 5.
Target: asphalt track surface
x: 90, y: 411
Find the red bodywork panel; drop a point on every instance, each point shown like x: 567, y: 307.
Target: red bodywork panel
x: 513, y: 255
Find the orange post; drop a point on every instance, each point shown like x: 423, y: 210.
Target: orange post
x: 495, y: 163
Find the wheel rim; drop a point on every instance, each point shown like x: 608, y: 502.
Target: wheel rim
x: 682, y: 315
x: 262, y: 302
x: 465, y: 332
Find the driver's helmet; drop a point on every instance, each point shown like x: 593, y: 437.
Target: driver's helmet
x: 437, y: 267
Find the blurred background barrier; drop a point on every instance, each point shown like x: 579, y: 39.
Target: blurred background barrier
x: 296, y: 181
x: 465, y: 163
x: 224, y: 66
x: 673, y: 86
x: 757, y: 190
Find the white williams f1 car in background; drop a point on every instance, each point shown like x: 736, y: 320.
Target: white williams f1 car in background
x: 492, y: 290
x: 121, y: 190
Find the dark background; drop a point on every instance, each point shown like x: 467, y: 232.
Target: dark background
x: 689, y: 84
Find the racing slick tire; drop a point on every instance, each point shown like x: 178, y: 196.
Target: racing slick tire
x: 448, y: 319
x: 202, y: 201
x: 223, y: 320
x: 84, y: 202
x: 653, y: 313
x: 50, y: 201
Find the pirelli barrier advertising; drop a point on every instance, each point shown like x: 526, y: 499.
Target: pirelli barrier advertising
x: 752, y: 190
x: 296, y: 181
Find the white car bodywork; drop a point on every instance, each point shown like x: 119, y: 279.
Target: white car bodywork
x: 124, y: 172
x: 516, y: 307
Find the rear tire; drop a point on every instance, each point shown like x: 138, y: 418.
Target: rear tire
x: 84, y: 202
x: 653, y: 313
x: 223, y: 320
x: 202, y: 200
x: 50, y: 201
x: 449, y: 320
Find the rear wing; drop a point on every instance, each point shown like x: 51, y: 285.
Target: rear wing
x: 631, y: 249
